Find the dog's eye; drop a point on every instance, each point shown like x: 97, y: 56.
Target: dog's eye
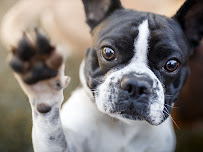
x: 172, y: 65
x: 108, y: 54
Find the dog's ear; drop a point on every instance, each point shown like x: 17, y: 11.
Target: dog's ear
x: 190, y: 17
x: 97, y: 10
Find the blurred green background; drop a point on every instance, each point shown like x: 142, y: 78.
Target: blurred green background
x: 15, y: 111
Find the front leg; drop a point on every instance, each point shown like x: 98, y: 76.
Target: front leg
x: 39, y: 69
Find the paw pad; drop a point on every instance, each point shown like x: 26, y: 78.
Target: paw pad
x: 35, y: 61
x: 43, y: 108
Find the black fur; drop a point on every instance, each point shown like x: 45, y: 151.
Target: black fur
x: 100, y: 10
x: 190, y: 17
x: 25, y: 50
x: 43, y: 44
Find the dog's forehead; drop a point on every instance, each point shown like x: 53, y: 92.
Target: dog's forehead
x: 121, y: 30
x: 121, y: 24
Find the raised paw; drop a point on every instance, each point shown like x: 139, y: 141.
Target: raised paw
x: 35, y: 61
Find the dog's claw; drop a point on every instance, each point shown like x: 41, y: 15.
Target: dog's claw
x: 43, y: 44
x: 25, y: 51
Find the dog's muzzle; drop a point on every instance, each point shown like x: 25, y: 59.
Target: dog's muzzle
x: 136, y: 91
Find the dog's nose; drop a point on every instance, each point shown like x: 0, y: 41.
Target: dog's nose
x: 136, y: 86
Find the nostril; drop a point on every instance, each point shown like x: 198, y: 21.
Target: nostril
x: 141, y: 91
x: 128, y: 86
x: 129, y: 89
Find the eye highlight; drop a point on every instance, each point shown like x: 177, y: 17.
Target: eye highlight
x: 108, y: 54
x: 172, y: 65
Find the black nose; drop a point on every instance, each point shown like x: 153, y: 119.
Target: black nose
x: 136, y: 86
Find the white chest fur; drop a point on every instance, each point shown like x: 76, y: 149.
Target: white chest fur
x: 99, y: 132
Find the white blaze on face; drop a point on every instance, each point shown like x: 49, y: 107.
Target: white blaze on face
x: 140, y: 62
x: 141, y: 44
x: 138, y: 65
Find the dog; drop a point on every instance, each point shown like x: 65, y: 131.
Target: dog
x: 131, y: 75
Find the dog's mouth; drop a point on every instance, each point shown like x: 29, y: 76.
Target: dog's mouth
x: 130, y: 114
x: 126, y: 109
x: 134, y: 116
x: 140, y: 112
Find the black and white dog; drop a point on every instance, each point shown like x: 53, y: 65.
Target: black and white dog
x: 131, y: 76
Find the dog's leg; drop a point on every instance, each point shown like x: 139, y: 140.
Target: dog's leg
x: 39, y: 69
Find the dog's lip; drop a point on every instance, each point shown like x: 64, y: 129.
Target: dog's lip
x: 138, y: 111
x: 129, y: 107
x: 129, y: 112
x: 131, y: 115
x: 135, y: 115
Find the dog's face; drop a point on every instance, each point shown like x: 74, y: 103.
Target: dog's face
x: 137, y: 63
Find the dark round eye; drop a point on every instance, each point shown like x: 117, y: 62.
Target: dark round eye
x: 172, y: 65
x: 108, y: 54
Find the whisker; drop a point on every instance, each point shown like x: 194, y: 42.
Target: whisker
x: 169, y: 95
x: 94, y: 90
x: 100, y: 82
x: 171, y: 117
x: 171, y: 106
x: 93, y: 97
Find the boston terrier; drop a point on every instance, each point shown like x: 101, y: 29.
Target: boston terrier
x: 131, y: 76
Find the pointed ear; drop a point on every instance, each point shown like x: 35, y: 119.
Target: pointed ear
x: 97, y: 10
x: 190, y: 17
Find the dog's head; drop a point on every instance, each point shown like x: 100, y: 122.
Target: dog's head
x: 138, y: 61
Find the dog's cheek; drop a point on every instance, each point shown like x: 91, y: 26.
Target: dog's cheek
x: 93, y: 73
x: 103, y: 98
x: 173, y: 90
x: 107, y: 94
x: 157, y: 103
x: 181, y: 79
